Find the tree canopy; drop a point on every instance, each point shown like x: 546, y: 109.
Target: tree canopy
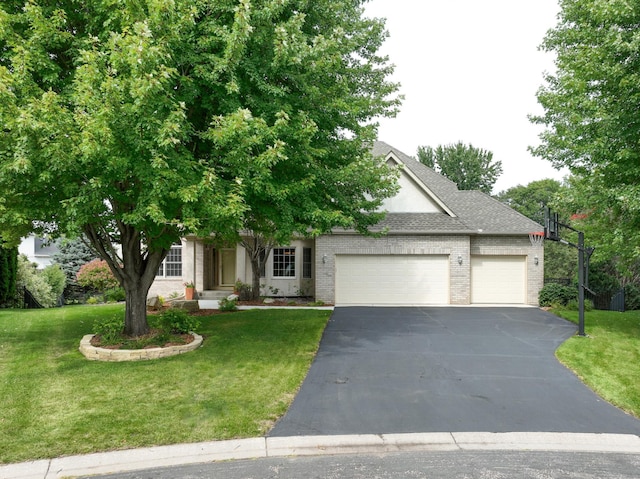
x: 469, y: 167
x: 137, y: 122
x: 531, y: 199
x: 591, y: 117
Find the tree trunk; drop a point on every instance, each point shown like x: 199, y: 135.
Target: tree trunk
x: 135, y: 318
x: 259, y: 250
x: 255, y: 278
x: 135, y: 270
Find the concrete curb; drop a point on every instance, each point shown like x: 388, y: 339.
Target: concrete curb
x: 163, y: 456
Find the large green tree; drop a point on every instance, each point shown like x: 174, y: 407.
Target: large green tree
x: 469, y: 167
x: 135, y: 122
x: 591, y: 117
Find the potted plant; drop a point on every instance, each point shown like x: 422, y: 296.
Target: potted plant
x: 189, y: 289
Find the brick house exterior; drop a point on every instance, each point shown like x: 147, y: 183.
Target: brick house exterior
x: 441, y: 246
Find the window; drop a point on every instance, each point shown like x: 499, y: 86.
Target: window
x: 284, y: 262
x: 306, y: 262
x: 171, y: 267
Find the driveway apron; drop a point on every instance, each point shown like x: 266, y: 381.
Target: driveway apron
x: 440, y: 369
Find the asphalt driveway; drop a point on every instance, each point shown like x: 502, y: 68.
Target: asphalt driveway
x: 439, y: 369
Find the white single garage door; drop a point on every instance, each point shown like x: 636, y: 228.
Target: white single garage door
x: 498, y: 279
x: 392, y: 279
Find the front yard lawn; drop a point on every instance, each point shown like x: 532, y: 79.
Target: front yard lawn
x: 608, y: 359
x: 54, y: 402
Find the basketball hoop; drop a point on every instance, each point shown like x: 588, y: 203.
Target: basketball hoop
x: 537, y: 239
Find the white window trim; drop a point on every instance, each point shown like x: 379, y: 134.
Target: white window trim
x: 273, y: 262
x: 163, y: 265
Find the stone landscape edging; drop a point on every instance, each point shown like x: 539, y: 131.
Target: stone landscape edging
x: 94, y: 353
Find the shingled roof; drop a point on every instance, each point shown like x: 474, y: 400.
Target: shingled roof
x: 475, y: 212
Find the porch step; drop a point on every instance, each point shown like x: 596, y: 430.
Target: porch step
x: 214, y: 294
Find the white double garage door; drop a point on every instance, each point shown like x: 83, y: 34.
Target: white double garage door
x: 426, y: 279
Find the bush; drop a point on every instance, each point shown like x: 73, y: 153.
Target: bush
x: 56, y: 279
x: 244, y: 291
x: 110, y: 329
x: 557, y: 294
x: 29, y: 277
x: 8, y: 271
x: 226, y: 304
x: 97, y: 276
x: 632, y: 297
x: 178, y: 321
x: 114, y: 295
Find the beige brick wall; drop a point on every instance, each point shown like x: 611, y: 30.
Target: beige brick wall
x: 327, y: 247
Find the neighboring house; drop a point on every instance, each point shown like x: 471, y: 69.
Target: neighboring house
x: 442, y: 246
x: 38, y: 250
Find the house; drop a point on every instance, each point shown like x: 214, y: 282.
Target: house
x: 442, y: 246
x: 38, y: 250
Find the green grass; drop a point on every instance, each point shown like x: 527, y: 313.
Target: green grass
x: 54, y: 402
x: 608, y: 359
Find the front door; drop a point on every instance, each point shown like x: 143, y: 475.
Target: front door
x: 226, y: 267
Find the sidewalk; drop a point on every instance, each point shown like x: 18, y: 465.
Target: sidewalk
x: 164, y: 456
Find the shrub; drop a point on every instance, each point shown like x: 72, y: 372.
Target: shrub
x: 114, y: 295
x: 8, y: 271
x: 226, y: 304
x: 56, y: 278
x: 175, y: 320
x: 29, y: 277
x: 632, y: 297
x: 574, y: 305
x: 556, y: 294
x: 244, y: 291
x: 97, y: 276
x: 110, y: 329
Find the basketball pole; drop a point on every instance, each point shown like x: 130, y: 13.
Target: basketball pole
x: 552, y: 227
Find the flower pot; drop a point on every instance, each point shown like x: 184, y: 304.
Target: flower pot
x: 188, y: 293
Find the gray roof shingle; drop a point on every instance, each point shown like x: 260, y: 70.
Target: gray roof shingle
x: 475, y: 212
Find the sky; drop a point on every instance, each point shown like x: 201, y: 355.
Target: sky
x: 469, y: 71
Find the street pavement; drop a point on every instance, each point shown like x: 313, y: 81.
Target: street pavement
x: 412, y: 381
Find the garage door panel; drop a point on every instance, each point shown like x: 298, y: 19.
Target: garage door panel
x: 392, y: 279
x: 498, y: 279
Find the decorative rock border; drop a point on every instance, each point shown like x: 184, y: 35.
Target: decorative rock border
x: 94, y: 353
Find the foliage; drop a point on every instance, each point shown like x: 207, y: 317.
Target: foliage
x: 240, y: 382
x: 139, y: 124
x: 174, y: 320
x: 97, y: 276
x: 560, y: 261
x: 469, y: 167
x: 574, y: 305
x: 36, y: 282
x: 226, y: 304
x: 55, y: 278
x: 530, y: 200
x: 556, y: 294
x: 243, y: 290
x: 632, y: 297
x: 109, y: 329
x: 8, y: 271
x: 71, y: 255
x: 115, y: 295
x: 608, y: 360
x: 591, y: 121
